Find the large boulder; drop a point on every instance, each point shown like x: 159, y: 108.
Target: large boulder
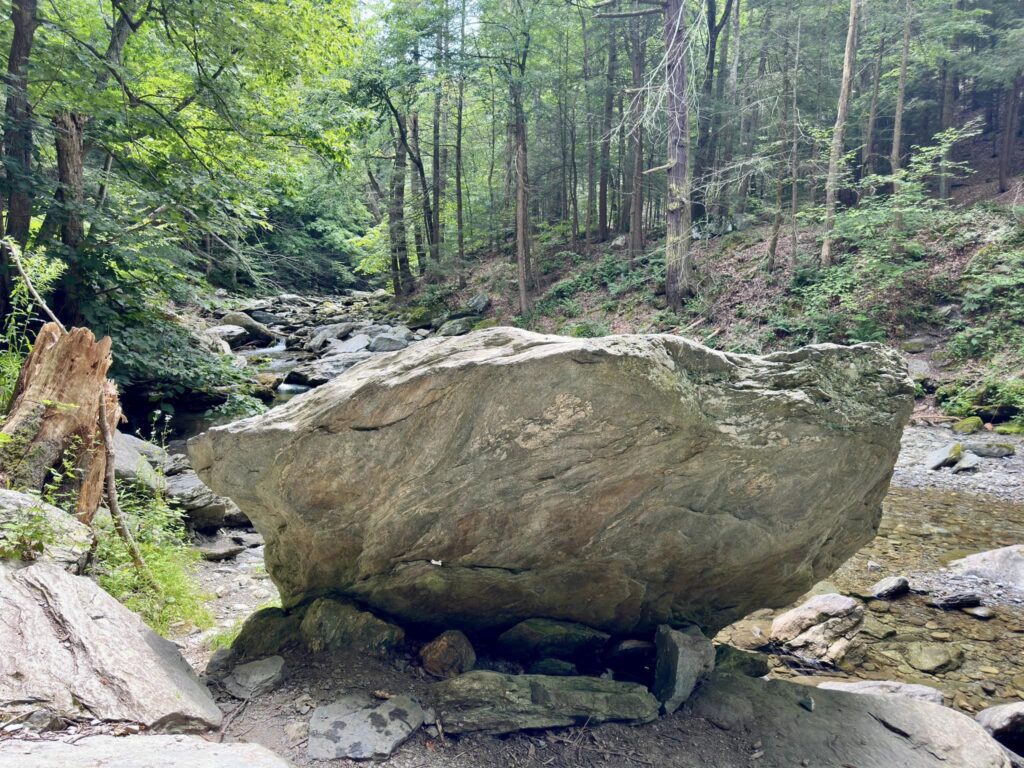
x: 70, y: 650
x: 137, y: 752
x: 794, y: 725
x: 135, y: 461
x: 621, y: 482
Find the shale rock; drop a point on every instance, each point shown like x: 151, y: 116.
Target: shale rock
x: 69, y: 649
x: 621, y: 482
x: 255, y: 677
x: 843, y: 728
x: 497, y: 703
x: 204, y: 509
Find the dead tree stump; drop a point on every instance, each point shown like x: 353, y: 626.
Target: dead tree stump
x: 53, y: 420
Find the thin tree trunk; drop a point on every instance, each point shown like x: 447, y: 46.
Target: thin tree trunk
x: 606, y: 138
x: 794, y: 150
x: 680, y: 273
x: 749, y: 125
x: 638, y: 54
x: 704, y: 116
x: 948, y: 114
x: 901, y: 90
x: 17, y: 139
x: 867, y: 155
x: 838, y: 134
x: 459, y: 215
x: 401, y: 275
x: 417, y: 193
x: 522, y: 198
x: 1013, y: 96
x: 69, y: 130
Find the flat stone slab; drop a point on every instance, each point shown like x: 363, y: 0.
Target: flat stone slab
x: 826, y: 729
x: 888, y: 688
x: 361, y: 728
x: 496, y: 703
x: 137, y: 752
x: 255, y: 677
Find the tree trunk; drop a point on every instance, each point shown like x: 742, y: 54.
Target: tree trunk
x: 867, y: 163
x: 52, y: 423
x: 901, y: 91
x: 749, y: 124
x: 680, y: 273
x: 1013, y: 96
x: 707, y: 108
x: 417, y: 194
x: 18, y: 125
x: 606, y: 138
x: 838, y: 134
x: 69, y: 129
x: 948, y: 113
x: 522, y: 199
x: 637, y: 55
x: 459, y: 214
x: 401, y: 275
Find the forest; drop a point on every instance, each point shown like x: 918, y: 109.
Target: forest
x: 510, y: 368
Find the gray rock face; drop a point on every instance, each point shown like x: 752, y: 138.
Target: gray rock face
x: 135, y: 459
x: 821, y: 628
x: 888, y: 688
x: 890, y: 588
x: 1003, y: 566
x: 497, y: 703
x: 204, y: 509
x: 69, y: 648
x: 256, y: 331
x: 359, y: 728
x: 991, y: 450
x: 67, y: 542
x: 233, y: 335
x: 684, y: 659
x: 968, y: 463
x: 621, y: 482
x: 946, y: 456
x: 254, y: 678
x: 387, y: 342
x: 356, y: 343
x: 323, y: 335
x: 137, y: 752
x: 317, y: 372
x: 844, y: 728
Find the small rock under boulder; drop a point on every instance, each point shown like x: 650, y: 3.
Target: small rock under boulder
x: 359, y: 728
x: 137, y: 752
x: 204, y: 509
x: 496, y: 703
x: 684, y: 659
x: 546, y: 638
x: 332, y: 626
x: 255, y: 677
x: 449, y: 654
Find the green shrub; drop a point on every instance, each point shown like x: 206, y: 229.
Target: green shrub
x: 588, y: 329
x: 26, y: 534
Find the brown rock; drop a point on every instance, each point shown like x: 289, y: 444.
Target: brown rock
x: 448, y: 654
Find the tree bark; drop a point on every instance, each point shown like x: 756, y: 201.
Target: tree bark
x: 459, y: 214
x: 69, y: 128
x: 901, y: 90
x: 1013, y: 97
x: 606, y: 138
x: 680, y: 273
x: 708, y: 108
x: 401, y: 275
x: 867, y: 156
x: 522, y: 198
x: 52, y: 423
x: 18, y: 122
x: 637, y: 55
x: 838, y: 134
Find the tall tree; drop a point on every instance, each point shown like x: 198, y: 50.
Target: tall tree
x: 835, y: 157
x: 680, y: 272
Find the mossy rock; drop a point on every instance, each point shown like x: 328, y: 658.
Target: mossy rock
x: 267, y: 632
x: 420, y: 317
x: 330, y: 625
x: 490, y: 322
x: 1012, y: 428
x: 968, y: 426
